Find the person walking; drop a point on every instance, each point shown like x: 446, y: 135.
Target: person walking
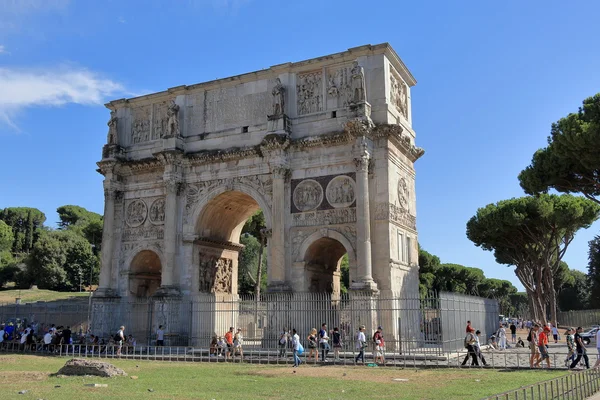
x: 543, y: 346
x: 119, y: 339
x: 532, y: 338
x: 513, y: 332
x: 160, y: 336
x: 229, y: 342
x: 469, y: 343
x: 324, y: 342
x: 570, y: 346
x: 312, y: 345
x: 283, y: 342
x: 477, y: 347
x: 336, y: 339
x: 379, y: 345
x: 296, y: 347
x: 361, y: 344
x: 581, y: 350
x: 237, y: 343
x: 555, y: 333
x: 597, y: 348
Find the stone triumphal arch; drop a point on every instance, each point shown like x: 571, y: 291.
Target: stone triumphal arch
x: 324, y: 147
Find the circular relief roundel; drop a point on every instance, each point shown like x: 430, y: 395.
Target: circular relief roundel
x: 136, y: 213
x: 308, y: 195
x: 341, y: 191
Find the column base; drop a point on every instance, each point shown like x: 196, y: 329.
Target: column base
x: 366, y: 286
x: 167, y: 291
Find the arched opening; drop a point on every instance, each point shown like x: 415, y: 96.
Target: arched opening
x: 223, y: 262
x: 323, y: 260
x: 144, y: 274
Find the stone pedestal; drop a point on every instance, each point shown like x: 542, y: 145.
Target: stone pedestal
x: 279, y: 124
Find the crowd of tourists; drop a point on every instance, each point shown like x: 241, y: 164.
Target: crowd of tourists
x: 539, y: 337
x: 60, y: 339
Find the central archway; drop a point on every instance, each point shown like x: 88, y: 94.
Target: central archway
x: 217, y: 247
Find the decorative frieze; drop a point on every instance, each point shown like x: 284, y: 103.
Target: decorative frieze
x: 326, y: 217
x: 396, y: 214
x: 151, y: 232
x: 309, y: 93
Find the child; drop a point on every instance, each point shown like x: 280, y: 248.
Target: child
x: 214, y: 345
x: 520, y: 343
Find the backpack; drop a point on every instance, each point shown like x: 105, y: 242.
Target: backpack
x: 529, y: 336
x: 468, y: 340
x: 118, y: 338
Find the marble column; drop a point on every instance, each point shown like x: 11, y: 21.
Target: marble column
x: 276, y: 242
x: 108, y: 242
x: 167, y: 285
x: 363, y: 226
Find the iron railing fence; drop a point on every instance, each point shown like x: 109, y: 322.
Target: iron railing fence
x: 284, y: 356
x: 431, y: 325
x: 583, y: 318
x: 578, y: 385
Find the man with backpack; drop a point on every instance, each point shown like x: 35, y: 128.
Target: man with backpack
x: 469, y: 343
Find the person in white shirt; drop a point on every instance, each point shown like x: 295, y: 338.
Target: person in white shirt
x: 160, y: 336
x: 47, y: 341
x: 296, y: 347
x: 361, y: 343
x: 597, y: 348
x: 555, y: 333
x: 502, y: 337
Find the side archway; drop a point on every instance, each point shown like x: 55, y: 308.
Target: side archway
x: 321, y: 255
x: 145, y: 269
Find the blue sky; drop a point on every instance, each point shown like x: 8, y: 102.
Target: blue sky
x: 492, y: 77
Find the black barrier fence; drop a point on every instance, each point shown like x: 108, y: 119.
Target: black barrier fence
x: 432, y: 325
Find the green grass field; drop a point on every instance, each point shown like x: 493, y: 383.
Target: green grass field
x: 246, y: 381
x: 28, y: 296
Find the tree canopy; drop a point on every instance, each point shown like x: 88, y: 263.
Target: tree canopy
x: 532, y: 234
x: 594, y: 271
x: 26, y: 224
x: 571, y: 161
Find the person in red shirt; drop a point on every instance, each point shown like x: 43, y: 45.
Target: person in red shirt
x: 543, y: 346
x: 469, y: 329
x: 229, y: 341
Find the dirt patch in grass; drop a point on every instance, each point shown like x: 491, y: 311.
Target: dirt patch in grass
x: 22, y: 376
x: 379, y: 375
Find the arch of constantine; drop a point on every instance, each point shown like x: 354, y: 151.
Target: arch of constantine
x: 324, y: 147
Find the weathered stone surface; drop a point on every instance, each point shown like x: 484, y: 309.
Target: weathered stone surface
x: 324, y: 147
x: 78, y: 366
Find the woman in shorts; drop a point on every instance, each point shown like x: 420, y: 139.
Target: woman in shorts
x: 312, y: 345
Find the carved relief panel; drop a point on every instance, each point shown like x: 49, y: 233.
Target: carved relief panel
x: 160, y: 118
x: 309, y: 92
x: 398, y: 93
x: 215, y: 275
x: 308, y: 195
x: 341, y: 191
x: 157, y: 212
x: 140, y: 124
x: 339, y: 87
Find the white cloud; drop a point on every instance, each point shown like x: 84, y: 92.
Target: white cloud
x: 25, y: 88
x: 2, y: 49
